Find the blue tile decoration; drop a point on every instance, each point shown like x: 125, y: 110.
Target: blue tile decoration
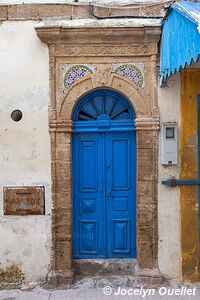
x: 134, y: 71
x: 72, y: 72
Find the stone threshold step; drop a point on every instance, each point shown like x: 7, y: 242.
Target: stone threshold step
x: 104, y: 267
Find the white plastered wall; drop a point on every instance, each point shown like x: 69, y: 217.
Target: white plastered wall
x: 24, y: 146
x: 169, y: 243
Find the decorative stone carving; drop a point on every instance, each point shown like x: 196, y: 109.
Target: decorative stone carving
x: 147, y: 123
x: 103, y: 75
x: 134, y: 71
x: 108, y: 50
x: 72, y: 72
x: 73, y: 48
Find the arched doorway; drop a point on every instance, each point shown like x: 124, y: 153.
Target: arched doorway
x: 104, y: 176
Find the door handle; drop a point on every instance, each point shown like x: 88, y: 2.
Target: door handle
x: 109, y: 193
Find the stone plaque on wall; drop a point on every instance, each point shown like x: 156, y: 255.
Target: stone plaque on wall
x: 24, y: 200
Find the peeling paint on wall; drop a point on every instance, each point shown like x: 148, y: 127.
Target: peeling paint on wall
x: 25, y: 149
x: 189, y: 170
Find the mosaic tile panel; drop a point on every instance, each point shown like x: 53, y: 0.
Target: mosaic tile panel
x: 72, y: 72
x: 134, y: 71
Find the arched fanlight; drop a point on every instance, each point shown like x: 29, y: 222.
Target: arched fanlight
x: 101, y: 105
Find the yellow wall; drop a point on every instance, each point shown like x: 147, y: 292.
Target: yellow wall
x: 189, y: 170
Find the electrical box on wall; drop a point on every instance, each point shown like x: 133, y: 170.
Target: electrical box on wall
x: 169, y: 143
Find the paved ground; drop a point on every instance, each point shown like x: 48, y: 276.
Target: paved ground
x: 90, y: 288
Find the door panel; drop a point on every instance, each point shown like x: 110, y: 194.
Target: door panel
x: 104, y: 175
x: 88, y: 196
x: 120, y: 164
x: 121, y: 236
x: 88, y: 160
x: 121, y: 194
x: 88, y: 237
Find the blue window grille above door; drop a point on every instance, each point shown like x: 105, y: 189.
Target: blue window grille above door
x: 101, y: 105
x: 104, y: 176
x: 103, y: 108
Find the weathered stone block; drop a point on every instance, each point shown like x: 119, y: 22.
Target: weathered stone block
x: 56, y: 11
x: 61, y: 216
x: 64, y: 198
x: 144, y: 188
x: 145, y: 216
x: 80, y: 12
x: 24, y: 200
x: 145, y: 253
x: 3, y: 13
x: 63, y: 232
x: 145, y: 201
x: 144, y: 280
x: 63, y: 139
x: 145, y: 246
x: 23, y: 12
x: 145, y: 139
x: 63, y: 255
x: 146, y: 165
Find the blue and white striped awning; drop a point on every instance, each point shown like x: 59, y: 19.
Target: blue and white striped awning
x: 180, y: 44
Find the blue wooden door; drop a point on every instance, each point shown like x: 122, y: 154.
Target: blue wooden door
x: 104, y: 195
x: 120, y: 194
x: 89, y: 197
x: 104, y: 180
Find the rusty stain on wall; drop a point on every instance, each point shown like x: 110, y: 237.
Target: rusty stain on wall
x: 189, y: 170
x: 11, y: 276
x: 23, y: 200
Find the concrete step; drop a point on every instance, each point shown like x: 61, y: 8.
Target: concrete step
x: 104, y: 267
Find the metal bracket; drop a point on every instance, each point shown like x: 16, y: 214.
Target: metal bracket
x: 173, y: 182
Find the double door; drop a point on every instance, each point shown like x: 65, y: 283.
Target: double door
x: 104, y: 195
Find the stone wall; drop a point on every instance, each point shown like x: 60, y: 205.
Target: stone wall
x: 71, y: 10
x: 102, y: 47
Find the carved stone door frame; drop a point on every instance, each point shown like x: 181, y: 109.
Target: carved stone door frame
x: 102, y: 50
